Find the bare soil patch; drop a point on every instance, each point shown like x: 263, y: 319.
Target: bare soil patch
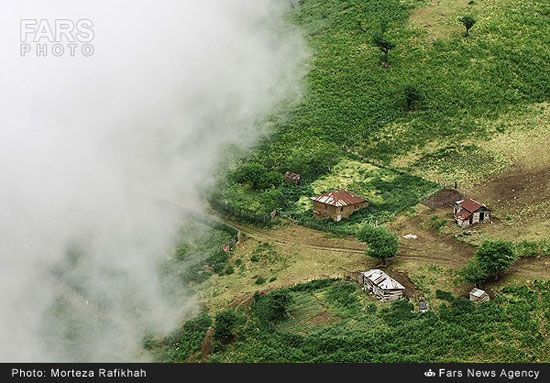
x: 443, y: 198
x: 322, y: 318
x: 518, y: 187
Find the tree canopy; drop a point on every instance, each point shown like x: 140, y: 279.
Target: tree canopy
x: 382, y: 243
x: 468, y: 22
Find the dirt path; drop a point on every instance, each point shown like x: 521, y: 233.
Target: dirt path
x: 430, y: 247
x: 279, y: 236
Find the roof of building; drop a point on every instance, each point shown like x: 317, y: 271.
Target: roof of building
x: 423, y: 305
x: 470, y: 204
x: 338, y: 198
x: 477, y: 292
x: 464, y: 214
x: 383, y: 280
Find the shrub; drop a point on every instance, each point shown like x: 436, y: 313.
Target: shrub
x: 384, y: 45
x: 495, y: 257
x: 224, y: 325
x: 471, y: 272
x: 468, y: 22
x: 273, y: 307
x: 444, y: 295
x: 413, y: 97
x: 437, y: 223
x: 260, y: 281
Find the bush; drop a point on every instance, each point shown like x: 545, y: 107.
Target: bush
x: 471, y: 272
x: 495, y: 257
x: 444, y: 295
x: 230, y: 270
x: 437, y: 223
x: 224, y: 325
x: 343, y: 294
x: 468, y: 22
x: 384, y: 45
x: 273, y: 307
x: 260, y: 281
x: 413, y: 97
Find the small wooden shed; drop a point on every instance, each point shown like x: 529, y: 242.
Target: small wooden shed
x: 337, y: 204
x: 381, y: 285
x: 467, y: 212
x: 478, y: 295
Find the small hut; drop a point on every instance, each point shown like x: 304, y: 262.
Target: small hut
x: 292, y: 178
x: 337, y: 204
x: 381, y: 285
x: 478, y: 295
x: 467, y: 212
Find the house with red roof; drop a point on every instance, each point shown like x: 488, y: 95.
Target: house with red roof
x: 337, y: 204
x: 467, y: 212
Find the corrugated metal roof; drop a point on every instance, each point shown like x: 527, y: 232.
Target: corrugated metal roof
x: 383, y: 280
x: 470, y: 205
x: 464, y: 214
x: 338, y: 198
x: 477, y: 292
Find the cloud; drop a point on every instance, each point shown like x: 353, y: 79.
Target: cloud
x: 90, y: 145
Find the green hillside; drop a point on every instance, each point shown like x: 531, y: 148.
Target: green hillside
x: 462, y: 91
x: 442, y: 108
x: 333, y: 321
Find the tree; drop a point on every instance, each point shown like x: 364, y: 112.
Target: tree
x: 490, y: 260
x: 382, y: 243
x: 224, y: 326
x: 468, y: 22
x: 495, y: 257
x: 471, y: 272
x: 384, y: 45
x: 257, y: 176
x: 412, y: 96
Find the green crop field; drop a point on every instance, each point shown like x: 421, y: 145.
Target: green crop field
x: 332, y: 321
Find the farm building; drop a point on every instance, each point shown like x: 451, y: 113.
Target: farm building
x: 468, y: 212
x: 478, y: 295
x: 337, y: 204
x: 381, y: 284
x: 292, y: 178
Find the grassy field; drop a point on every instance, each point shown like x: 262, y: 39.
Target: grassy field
x: 477, y: 94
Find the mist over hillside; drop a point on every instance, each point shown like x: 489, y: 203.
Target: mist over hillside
x: 89, y: 146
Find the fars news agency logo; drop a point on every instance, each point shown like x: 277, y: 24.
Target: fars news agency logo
x: 57, y: 38
x: 429, y: 373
